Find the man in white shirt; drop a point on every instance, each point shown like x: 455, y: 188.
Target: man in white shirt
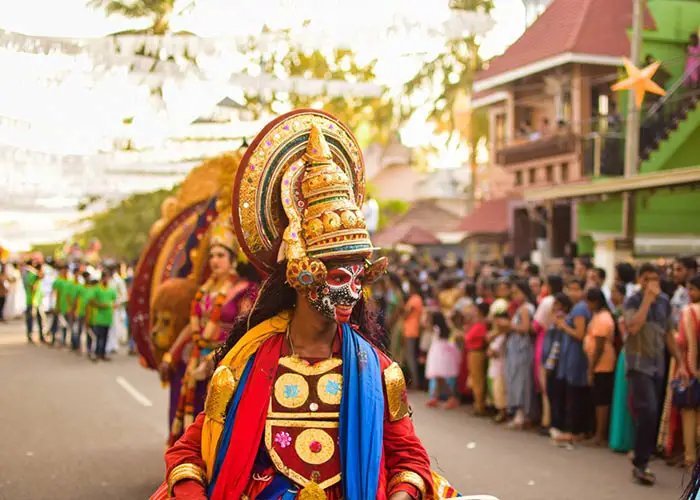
x: 117, y: 332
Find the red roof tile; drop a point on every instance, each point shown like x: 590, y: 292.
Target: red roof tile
x: 591, y: 27
x: 427, y: 214
x: 405, y: 233
x: 489, y: 218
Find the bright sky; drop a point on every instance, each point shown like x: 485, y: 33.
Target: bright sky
x: 72, y: 18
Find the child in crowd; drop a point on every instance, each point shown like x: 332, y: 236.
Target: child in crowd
x: 442, y: 363
x: 475, y: 345
x: 496, y: 353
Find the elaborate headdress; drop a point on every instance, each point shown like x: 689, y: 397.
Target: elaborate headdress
x: 297, y: 196
x: 222, y: 233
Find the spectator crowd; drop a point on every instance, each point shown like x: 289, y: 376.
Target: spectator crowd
x: 581, y: 357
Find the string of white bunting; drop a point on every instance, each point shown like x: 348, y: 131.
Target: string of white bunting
x: 311, y: 36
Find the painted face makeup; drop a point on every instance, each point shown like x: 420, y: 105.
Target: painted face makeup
x: 343, y: 289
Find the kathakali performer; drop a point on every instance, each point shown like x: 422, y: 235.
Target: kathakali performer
x: 230, y: 290
x: 304, y: 404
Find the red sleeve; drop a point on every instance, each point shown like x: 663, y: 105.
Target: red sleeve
x: 187, y: 450
x: 403, y: 451
x: 682, y: 338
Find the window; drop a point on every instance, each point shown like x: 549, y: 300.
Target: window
x: 532, y: 176
x: 550, y: 173
x: 519, y: 178
x: 564, y: 172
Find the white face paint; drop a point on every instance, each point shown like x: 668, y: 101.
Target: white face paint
x: 342, y: 291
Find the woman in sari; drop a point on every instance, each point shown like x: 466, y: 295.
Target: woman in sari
x: 228, y: 292
x: 688, y: 341
x: 621, y: 437
x: 520, y: 357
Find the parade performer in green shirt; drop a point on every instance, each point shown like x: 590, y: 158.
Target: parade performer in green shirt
x: 32, y: 285
x: 72, y: 313
x: 102, y: 302
x: 60, y: 289
x: 83, y: 297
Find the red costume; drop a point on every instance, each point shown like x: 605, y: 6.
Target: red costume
x: 402, y: 449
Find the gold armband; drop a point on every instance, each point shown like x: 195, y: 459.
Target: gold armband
x: 184, y: 472
x: 397, y: 398
x: 407, y: 477
x: 168, y: 358
x: 221, y: 389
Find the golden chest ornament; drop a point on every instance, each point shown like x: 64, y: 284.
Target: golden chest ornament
x: 301, y: 430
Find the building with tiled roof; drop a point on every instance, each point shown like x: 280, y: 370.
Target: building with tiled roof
x: 558, y: 129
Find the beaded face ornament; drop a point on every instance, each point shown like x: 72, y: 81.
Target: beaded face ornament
x: 343, y: 289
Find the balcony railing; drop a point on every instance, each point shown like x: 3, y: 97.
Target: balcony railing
x: 603, y: 154
x: 530, y: 150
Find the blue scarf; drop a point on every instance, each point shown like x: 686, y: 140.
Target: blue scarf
x: 361, y: 417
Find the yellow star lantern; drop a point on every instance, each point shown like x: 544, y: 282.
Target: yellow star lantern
x: 639, y: 80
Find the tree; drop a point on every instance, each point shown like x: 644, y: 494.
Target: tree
x: 376, y: 116
x: 158, y: 11
x: 123, y: 229
x: 450, y: 76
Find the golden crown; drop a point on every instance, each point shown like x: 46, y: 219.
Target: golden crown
x: 331, y: 225
x: 222, y: 233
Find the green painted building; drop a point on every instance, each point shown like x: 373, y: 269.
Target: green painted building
x: 668, y: 214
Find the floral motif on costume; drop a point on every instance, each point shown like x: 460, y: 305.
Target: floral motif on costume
x: 361, y: 357
x: 332, y: 387
x: 291, y: 391
x: 283, y: 439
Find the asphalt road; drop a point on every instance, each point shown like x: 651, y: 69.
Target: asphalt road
x: 71, y: 429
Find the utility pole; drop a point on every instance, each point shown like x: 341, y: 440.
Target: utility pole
x: 632, y: 131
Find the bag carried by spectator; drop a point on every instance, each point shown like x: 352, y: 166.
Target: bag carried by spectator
x: 685, y: 394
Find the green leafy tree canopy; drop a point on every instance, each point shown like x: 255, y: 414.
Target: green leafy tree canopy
x: 123, y: 228
x: 449, y: 76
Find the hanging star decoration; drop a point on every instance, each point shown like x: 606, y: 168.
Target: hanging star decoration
x: 639, y: 80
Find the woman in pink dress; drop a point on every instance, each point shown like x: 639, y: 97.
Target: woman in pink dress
x: 230, y: 290
x: 442, y: 363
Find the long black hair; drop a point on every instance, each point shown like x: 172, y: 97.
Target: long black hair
x: 441, y: 323
x: 524, y: 287
x: 556, y: 284
x: 276, y: 296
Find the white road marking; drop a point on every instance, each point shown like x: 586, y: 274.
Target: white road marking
x: 134, y: 392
